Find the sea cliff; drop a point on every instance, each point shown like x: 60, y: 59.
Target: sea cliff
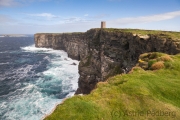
x: 106, y: 52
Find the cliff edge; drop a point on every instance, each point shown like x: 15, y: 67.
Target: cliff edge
x: 106, y: 52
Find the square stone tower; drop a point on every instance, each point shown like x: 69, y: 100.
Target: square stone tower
x: 103, y: 24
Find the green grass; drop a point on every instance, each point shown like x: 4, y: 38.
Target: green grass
x: 139, y: 95
x: 162, y: 34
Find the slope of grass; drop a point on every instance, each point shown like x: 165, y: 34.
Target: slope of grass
x: 140, y: 95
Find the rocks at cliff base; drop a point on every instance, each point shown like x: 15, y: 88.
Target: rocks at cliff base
x: 73, y: 63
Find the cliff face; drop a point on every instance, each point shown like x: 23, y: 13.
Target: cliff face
x: 103, y: 53
x: 73, y: 43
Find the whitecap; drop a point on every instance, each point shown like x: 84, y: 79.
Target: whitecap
x: 4, y: 63
x: 32, y: 48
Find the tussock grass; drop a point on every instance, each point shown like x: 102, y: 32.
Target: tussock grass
x: 155, y: 61
x: 157, y: 65
x: 166, y: 58
x: 139, y: 95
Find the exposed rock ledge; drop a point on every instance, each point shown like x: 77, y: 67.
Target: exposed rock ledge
x: 103, y: 53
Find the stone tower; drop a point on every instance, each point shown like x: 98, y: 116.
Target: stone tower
x: 103, y: 24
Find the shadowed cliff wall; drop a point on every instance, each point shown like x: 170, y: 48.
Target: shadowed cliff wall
x: 104, y: 53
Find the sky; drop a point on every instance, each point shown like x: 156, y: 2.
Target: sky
x: 57, y: 16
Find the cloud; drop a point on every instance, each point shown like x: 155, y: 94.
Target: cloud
x: 4, y: 19
x: 7, y: 3
x: 100, y: 16
x: 146, y: 19
x: 86, y: 15
x: 10, y: 3
x: 74, y: 20
x: 52, y: 19
x: 46, y: 15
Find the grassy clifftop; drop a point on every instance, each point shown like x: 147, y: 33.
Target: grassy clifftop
x: 162, y: 34
x: 142, y: 94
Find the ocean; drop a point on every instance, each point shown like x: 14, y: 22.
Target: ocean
x: 33, y: 80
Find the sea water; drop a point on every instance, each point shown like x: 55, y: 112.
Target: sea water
x: 33, y: 80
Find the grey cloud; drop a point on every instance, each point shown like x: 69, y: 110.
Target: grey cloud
x: 6, y: 19
x: 8, y: 3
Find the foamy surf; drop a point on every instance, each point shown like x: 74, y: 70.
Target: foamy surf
x: 39, y: 85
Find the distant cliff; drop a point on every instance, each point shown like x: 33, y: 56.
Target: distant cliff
x: 106, y: 52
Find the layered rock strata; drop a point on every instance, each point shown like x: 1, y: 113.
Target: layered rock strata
x: 104, y: 53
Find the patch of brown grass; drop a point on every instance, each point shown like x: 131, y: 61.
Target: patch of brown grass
x: 166, y: 58
x: 157, y: 65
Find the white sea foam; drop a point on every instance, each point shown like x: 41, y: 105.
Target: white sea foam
x: 4, y: 63
x: 35, y: 49
x: 30, y: 105
x: 4, y: 52
x: 31, y: 102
